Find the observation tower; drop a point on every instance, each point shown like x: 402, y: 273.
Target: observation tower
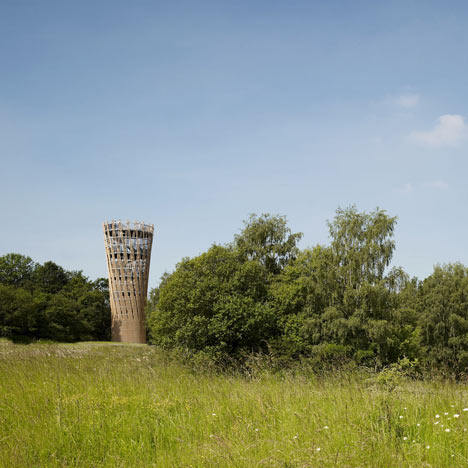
x: 128, y: 253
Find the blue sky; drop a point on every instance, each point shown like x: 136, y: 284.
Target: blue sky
x: 192, y: 115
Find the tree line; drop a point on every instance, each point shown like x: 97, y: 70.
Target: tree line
x: 328, y: 304
x: 44, y: 301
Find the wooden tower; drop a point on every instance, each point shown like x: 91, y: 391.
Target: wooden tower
x: 128, y: 253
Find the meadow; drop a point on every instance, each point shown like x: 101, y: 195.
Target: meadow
x: 115, y: 405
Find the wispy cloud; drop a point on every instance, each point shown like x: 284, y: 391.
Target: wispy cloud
x: 404, y: 101
x: 434, y: 184
x: 437, y: 184
x: 407, y: 101
x: 406, y: 188
x: 449, y: 130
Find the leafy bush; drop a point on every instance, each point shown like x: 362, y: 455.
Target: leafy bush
x: 214, y: 303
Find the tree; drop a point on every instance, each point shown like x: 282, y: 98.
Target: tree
x: 218, y: 302
x: 300, y: 295
x: 269, y: 240
x: 16, y: 270
x: 50, y: 277
x: 16, y: 311
x: 442, y: 305
x: 215, y: 303
x: 90, y: 301
x: 363, y: 245
x: 337, y: 299
x: 46, y: 301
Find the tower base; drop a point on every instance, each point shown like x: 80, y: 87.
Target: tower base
x: 128, y: 331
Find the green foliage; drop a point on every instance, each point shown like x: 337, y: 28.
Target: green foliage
x: 340, y: 295
x: 16, y: 270
x: 214, y: 303
x: 50, y: 277
x: 16, y: 311
x: 47, y: 302
x: 218, y: 303
x: 268, y: 240
x: 442, y: 304
x: 362, y: 244
x: 330, y: 304
x: 396, y: 374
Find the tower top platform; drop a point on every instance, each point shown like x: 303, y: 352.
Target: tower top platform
x: 117, y: 225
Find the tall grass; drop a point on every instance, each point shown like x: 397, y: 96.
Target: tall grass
x: 122, y: 405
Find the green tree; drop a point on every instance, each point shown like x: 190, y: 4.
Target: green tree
x: 50, y: 277
x: 215, y: 303
x: 362, y: 244
x: 90, y: 301
x: 442, y: 305
x: 269, y: 240
x: 218, y: 302
x: 16, y: 270
x: 16, y: 312
x: 300, y: 295
x: 46, y: 301
x: 337, y: 298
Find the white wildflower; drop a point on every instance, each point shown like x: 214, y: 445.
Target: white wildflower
x: 405, y: 438
x: 437, y: 416
x: 456, y: 415
x: 465, y: 409
x: 437, y: 422
x: 447, y: 430
x: 325, y: 427
x: 401, y: 417
x: 418, y: 424
x: 318, y: 449
x: 256, y: 429
x: 445, y: 414
x: 428, y: 446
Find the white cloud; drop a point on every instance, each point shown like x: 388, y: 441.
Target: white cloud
x: 406, y: 188
x: 437, y: 184
x: 403, y: 101
x: 407, y: 101
x: 450, y: 130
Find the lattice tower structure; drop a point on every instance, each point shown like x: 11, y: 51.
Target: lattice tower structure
x: 128, y: 251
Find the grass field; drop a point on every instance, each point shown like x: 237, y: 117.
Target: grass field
x: 131, y: 405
